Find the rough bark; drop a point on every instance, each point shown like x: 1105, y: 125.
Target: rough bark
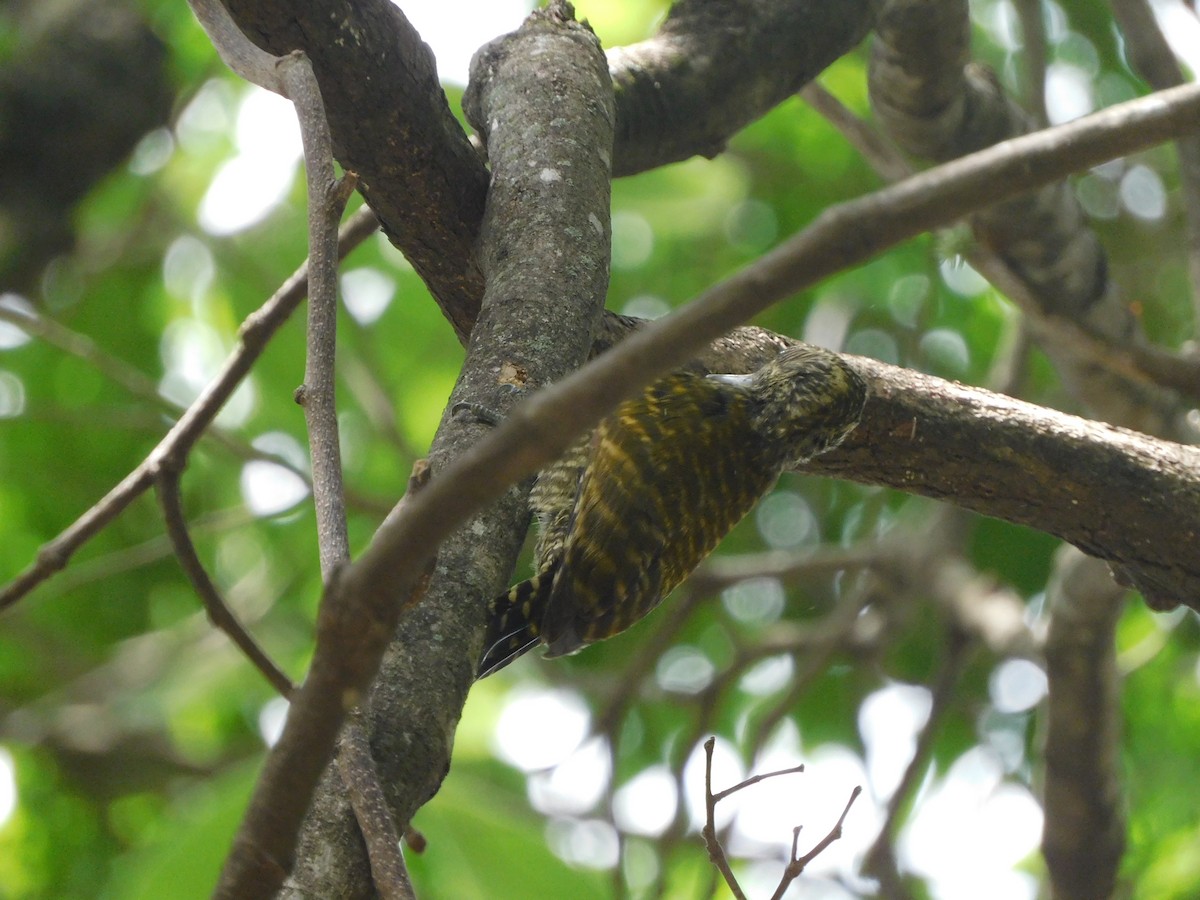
x: 392, y: 125
x: 1102, y: 488
x: 544, y: 250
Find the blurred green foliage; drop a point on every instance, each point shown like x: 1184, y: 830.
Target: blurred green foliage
x: 130, y: 731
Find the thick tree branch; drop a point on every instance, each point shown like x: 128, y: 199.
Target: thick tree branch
x: 545, y: 247
x: 1084, y: 834
x: 938, y: 106
x: 1052, y: 471
x: 392, y: 125
x: 715, y: 67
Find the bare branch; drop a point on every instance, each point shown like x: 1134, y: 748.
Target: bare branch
x: 358, y: 771
x: 254, y: 335
x: 1084, y: 834
x: 716, y: 852
x: 214, y: 604
x: 798, y: 865
x: 326, y: 200
x: 753, y: 779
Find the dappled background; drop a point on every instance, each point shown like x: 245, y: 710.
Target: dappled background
x: 131, y: 731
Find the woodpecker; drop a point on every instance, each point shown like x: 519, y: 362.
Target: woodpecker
x: 633, y: 507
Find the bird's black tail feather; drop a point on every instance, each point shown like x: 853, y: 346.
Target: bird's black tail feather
x: 514, y: 622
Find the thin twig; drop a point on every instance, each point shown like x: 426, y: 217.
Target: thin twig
x: 254, y: 335
x: 327, y: 197
x: 716, y: 852
x: 218, y: 611
x: 753, y: 779
x: 797, y: 866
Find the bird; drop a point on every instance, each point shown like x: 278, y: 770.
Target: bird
x: 633, y: 507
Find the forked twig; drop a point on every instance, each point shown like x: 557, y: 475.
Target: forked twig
x: 253, y: 336
x: 712, y: 842
x: 798, y: 864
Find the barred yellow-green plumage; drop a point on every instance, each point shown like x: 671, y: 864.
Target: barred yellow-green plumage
x: 630, y: 510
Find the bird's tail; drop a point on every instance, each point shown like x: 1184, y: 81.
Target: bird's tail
x: 513, y: 621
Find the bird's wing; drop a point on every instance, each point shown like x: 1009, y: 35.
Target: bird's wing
x: 671, y: 472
